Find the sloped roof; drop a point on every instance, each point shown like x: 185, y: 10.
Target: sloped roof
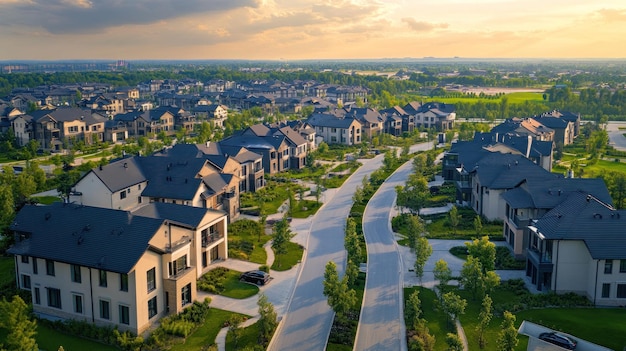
x: 101, y: 238
x: 189, y: 216
x: 505, y: 171
x: 552, y: 122
x: 120, y: 174
x: 171, y: 179
x: 547, y: 194
x: 583, y: 217
x: 330, y: 121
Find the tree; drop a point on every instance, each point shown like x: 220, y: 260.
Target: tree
x: 484, y: 318
x: 16, y: 319
x: 454, y: 342
x: 484, y: 251
x: 352, y: 243
x: 352, y: 272
x: 415, y: 228
x: 478, y: 225
x: 413, y: 309
x: 7, y: 207
x: 443, y: 274
x: 454, y: 218
x: 281, y: 236
x: 453, y: 305
x: 423, y: 250
x: 491, y: 279
x: 267, y: 320
x: 234, y: 327
x: 507, y: 339
x: 472, y: 277
x: 340, y: 297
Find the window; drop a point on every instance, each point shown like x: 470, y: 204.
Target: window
x: 185, y: 294
x: 122, y: 195
x: 78, y: 303
x: 25, y: 281
x: 123, y: 282
x: 35, y: 270
x: 608, y: 266
x: 103, y: 278
x: 50, y: 267
x: 105, y: 313
x: 606, y: 290
x: 151, y: 279
x: 24, y: 259
x: 621, y: 291
x: 622, y: 266
x: 152, y: 307
x: 75, y: 270
x: 37, y: 297
x: 124, y: 315
x: 54, y: 297
x: 178, y: 266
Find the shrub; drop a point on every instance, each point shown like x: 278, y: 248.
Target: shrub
x: 265, y: 268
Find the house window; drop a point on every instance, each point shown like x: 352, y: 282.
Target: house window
x: 204, y: 259
x: 152, y: 307
x: 122, y: 195
x: 35, y: 270
x: 24, y: 259
x: 78, y: 303
x: 608, y: 266
x: 151, y: 279
x: 105, y: 312
x: 50, y: 267
x: 103, y: 278
x: 621, y: 291
x: 123, y: 282
x: 37, y: 297
x: 185, y: 294
x: 54, y: 297
x: 75, y: 271
x: 333, y: 130
x: 25, y: 281
x: 622, y: 266
x: 178, y: 266
x: 606, y: 290
x: 124, y: 315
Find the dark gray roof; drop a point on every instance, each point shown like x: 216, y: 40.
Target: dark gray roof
x: 583, y: 217
x: 547, y: 194
x: 506, y: 171
x: 186, y: 215
x: 120, y: 174
x: 94, y: 237
x: 215, y: 182
x: 552, y: 122
x: 329, y: 120
x: 172, y: 179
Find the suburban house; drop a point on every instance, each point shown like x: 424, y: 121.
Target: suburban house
x: 438, y: 115
x: 372, y: 122
x: 143, y: 123
x: 533, y: 198
x: 571, y: 117
x: 53, y: 128
x: 525, y: 127
x: 115, y: 268
x: 579, y: 246
x: 132, y: 181
x: 215, y: 114
x: 394, y: 118
x: 237, y: 160
x: 563, y: 129
x: 335, y: 130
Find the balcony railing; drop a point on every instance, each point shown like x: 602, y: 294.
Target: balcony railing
x: 211, y: 238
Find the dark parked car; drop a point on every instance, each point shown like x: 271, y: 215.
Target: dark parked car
x: 559, y: 339
x: 255, y: 277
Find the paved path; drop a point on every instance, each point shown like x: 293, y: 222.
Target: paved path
x: 616, y: 136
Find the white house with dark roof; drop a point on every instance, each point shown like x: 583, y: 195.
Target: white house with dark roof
x: 580, y: 246
x: 336, y: 130
x: 115, y: 268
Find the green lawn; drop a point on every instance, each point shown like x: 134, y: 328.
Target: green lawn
x: 245, y: 241
x: 206, y: 333
x: 7, y: 270
x: 225, y: 282
x: 435, y: 319
x: 305, y: 208
x: 50, y: 340
x: 286, y: 261
x: 46, y: 200
x: 249, y: 337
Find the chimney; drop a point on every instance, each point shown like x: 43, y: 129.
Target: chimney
x: 208, y: 143
x: 530, y: 143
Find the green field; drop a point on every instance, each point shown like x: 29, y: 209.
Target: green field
x: 513, y: 98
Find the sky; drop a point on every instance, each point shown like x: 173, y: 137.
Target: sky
x: 310, y: 29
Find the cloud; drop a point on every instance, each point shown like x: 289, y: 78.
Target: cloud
x: 420, y: 26
x: 90, y: 16
x: 612, y: 15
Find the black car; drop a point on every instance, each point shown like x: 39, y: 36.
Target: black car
x: 559, y: 339
x: 255, y: 277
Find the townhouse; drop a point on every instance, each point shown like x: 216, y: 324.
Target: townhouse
x: 333, y: 129
x: 145, y: 123
x: 61, y: 127
x: 115, y: 268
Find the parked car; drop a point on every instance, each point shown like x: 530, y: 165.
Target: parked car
x: 559, y: 339
x: 255, y: 277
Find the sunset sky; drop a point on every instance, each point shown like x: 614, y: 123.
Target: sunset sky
x: 310, y: 29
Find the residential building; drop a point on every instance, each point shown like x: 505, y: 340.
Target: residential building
x: 53, y: 128
x: 335, y: 130
x: 115, y: 268
x: 437, y: 115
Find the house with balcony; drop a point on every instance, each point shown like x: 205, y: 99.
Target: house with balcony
x: 437, y: 115
x: 533, y: 198
x: 149, y: 122
x: 53, y: 128
x: 333, y: 129
x: 563, y: 129
x: 580, y: 246
x: 132, y: 181
x: 524, y: 127
x: 274, y: 149
x: 115, y: 268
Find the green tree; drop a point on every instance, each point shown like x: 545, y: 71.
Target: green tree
x: 281, y: 236
x: 15, y: 318
x: 415, y: 229
x: 340, y: 297
x: 454, y: 218
x: 491, y: 279
x: 507, y: 338
x: 453, y: 305
x: 484, y: 251
x: 423, y: 250
x: 7, y: 207
x: 234, y: 327
x: 454, y: 342
x: 478, y: 225
x: 24, y: 186
x: 352, y: 243
x: 413, y: 309
x: 352, y: 272
x: 268, y: 320
x: 443, y: 275
x: 472, y: 277
x: 484, y: 318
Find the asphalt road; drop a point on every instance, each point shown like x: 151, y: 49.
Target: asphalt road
x: 616, y: 136
x: 381, y: 325
x: 308, y: 320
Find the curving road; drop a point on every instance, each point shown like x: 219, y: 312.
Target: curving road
x: 308, y: 319
x: 381, y: 325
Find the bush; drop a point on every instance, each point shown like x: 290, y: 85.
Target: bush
x: 265, y: 268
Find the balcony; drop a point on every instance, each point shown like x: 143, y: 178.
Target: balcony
x: 520, y: 222
x: 211, y: 238
x: 543, y: 259
x: 180, y: 273
x: 177, y: 244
